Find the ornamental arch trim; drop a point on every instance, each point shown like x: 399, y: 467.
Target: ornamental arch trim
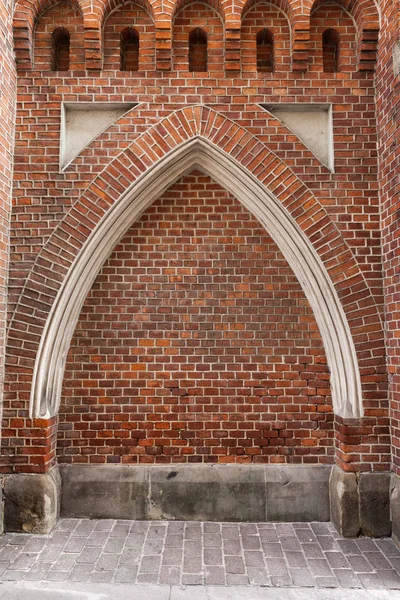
x: 198, y: 152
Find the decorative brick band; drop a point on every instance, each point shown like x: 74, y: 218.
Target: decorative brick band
x: 95, y: 13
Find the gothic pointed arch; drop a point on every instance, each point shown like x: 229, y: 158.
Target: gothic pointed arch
x: 46, y: 314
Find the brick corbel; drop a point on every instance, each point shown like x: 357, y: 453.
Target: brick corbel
x: 93, y: 44
x: 23, y: 42
x: 368, y: 47
x: 232, y: 47
x: 163, y: 43
x: 301, y: 39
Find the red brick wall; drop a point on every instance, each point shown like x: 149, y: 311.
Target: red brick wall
x: 43, y: 195
x: 388, y: 102
x: 196, y: 344
x: 7, y: 125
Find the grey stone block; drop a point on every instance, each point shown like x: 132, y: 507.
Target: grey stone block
x: 297, y: 493
x: 344, y: 502
x: 375, y: 504
x: 207, y: 493
x: 360, y: 504
x: 103, y: 492
x: 395, y: 507
x: 32, y: 502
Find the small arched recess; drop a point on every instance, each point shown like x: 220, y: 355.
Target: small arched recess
x: 295, y: 246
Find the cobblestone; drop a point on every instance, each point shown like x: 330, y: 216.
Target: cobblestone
x: 190, y: 554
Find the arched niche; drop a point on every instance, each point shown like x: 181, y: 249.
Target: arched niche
x: 293, y: 243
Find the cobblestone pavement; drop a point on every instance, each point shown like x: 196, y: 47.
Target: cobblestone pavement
x: 190, y: 553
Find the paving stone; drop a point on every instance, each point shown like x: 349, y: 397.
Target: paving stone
x: 80, y: 573
x: 277, y: 566
x: 359, y: 564
x: 173, y: 557
x: 327, y: 543
x: 212, y: 527
x: 150, y: 564
x: 85, y: 527
x: 371, y: 581
x: 232, y: 547
x: 281, y: 580
x: 104, y: 525
x: 75, y: 544
x: 305, y: 535
x: 102, y: 576
x: 268, y: 535
x: 348, y: 547
x: 170, y: 575
x: 391, y: 579
x: 302, y: 577
x: 377, y: 560
x: 147, y: 578
x: 107, y: 562
x: 157, y: 531
x: 337, y: 560
x: 248, y: 529
x: 192, y: 579
x: 193, y: 548
x: 13, y: 575
x: 65, y: 562
x: 174, y: 540
x: 251, y: 542
x: 153, y: 546
x: 212, y: 540
x: 129, y: 556
x: 214, y: 575
x: 319, y: 567
x: 347, y: 578
x: 236, y: 579
x: 50, y: 554
x: 24, y: 560
x: 234, y: 565
x: 131, y: 541
x: 126, y: 574
x: 56, y: 575
x: 230, y: 532
x: 253, y: 558
x: 326, y: 582
x: 272, y: 550
x: 192, y: 564
x: 388, y: 548
x: 88, y: 556
x: 37, y: 572
x: 114, y: 545
x: 296, y: 559
x: 97, y: 539
x: 290, y: 543
x: 212, y: 556
x: 35, y: 544
x: 257, y: 576
x: 312, y: 550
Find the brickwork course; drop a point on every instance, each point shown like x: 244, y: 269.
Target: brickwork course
x: 191, y: 329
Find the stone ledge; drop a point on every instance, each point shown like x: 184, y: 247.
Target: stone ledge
x: 201, y: 492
